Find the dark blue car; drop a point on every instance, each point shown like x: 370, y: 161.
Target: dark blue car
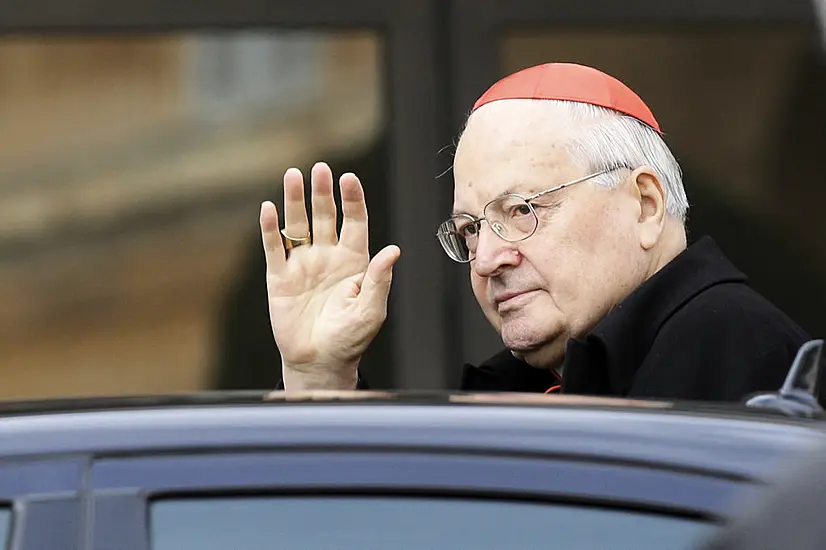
x: 252, y: 471
x: 244, y: 471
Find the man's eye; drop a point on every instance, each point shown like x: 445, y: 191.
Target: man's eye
x: 468, y: 230
x: 519, y: 210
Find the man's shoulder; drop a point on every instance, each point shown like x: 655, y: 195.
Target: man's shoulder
x: 725, y: 342
x: 734, y: 309
x: 732, y: 319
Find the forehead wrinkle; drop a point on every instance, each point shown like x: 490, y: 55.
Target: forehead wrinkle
x: 507, y: 137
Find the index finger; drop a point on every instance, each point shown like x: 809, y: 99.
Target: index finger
x: 354, y: 231
x: 271, y: 237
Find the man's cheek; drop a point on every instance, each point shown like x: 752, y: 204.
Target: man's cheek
x: 492, y: 314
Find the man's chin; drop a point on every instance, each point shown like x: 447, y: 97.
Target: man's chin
x: 541, y: 353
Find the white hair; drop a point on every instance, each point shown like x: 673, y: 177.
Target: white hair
x: 607, y: 139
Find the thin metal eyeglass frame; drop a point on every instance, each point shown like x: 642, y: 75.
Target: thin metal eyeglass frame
x: 478, y: 221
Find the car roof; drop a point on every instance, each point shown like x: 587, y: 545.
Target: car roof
x: 719, y: 441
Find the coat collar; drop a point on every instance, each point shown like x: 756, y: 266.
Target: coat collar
x: 606, y: 360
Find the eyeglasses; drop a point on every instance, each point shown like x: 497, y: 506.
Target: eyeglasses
x: 512, y: 217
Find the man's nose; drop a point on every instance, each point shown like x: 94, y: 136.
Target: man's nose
x: 493, y: 253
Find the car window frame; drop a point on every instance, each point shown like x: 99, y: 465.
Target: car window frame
x: 44, y: 496
x: 123, y: 487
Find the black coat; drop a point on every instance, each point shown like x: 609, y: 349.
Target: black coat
x: 695, y: 330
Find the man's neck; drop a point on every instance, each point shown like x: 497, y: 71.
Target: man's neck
x: 672, y: 243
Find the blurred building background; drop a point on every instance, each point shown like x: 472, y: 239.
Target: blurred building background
x: 131, y: 170
x: 132, y: 166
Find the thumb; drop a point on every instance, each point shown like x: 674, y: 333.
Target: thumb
x: 376, y: 284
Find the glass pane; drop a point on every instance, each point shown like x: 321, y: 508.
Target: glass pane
x: 5, y: 527
x: 131, y: 172
x: 743, y: 108
x: 409, y: 523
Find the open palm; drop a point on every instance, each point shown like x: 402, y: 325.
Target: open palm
x: 327, y: 300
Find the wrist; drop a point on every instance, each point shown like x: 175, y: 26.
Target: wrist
x: 318, y: 378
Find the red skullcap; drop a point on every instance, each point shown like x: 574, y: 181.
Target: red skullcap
x: 571, y: 82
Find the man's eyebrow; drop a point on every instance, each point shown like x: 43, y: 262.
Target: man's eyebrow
x: 457, y: 212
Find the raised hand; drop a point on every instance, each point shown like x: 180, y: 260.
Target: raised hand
x: 327, y: 299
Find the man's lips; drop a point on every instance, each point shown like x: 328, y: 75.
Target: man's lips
x: 511, y: 299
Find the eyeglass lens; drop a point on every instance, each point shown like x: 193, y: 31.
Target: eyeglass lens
x: 510, y: 217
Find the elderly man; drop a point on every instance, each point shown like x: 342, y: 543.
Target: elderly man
x: 570, y: 212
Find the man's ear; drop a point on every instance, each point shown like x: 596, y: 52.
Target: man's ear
x: 650, y: 192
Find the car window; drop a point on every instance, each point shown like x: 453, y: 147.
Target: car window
x: 407, y: 523
x: 5, y: 526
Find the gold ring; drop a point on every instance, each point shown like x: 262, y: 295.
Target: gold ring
x: 292, y: 242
